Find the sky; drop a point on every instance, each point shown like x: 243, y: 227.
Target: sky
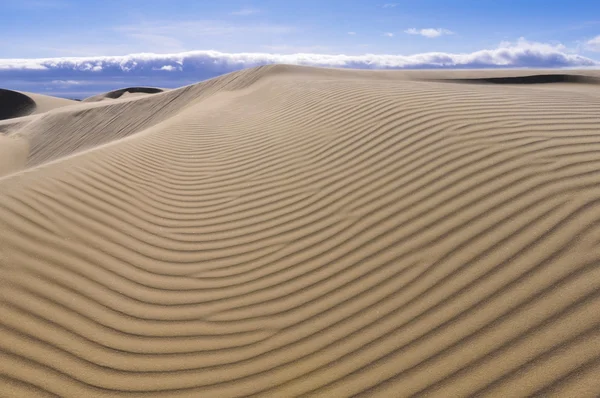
x: 76, y: 47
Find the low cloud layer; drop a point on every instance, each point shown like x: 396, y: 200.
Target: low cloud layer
x: 172, y: 70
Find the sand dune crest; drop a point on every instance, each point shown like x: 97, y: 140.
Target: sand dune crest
x: 124, y: 93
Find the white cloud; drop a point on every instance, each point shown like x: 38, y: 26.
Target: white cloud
x: 389, y: 5
x: 352, y: 33
x: 524, y: 44
x: 246, y: 11
x: 66, y: 82
x: 521, y: 53
x: 429, y: 32
x: 593, y: 44
x: 388, y: 34
x: 169, y: 68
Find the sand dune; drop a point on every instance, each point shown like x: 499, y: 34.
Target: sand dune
x: 125, y: 93
x: 45, y: 103
x: 287, y: 231
x: 15, y: 104
x: 532, y: 79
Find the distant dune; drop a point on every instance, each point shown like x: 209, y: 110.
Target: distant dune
x: 124, y: 93
x: 15, y: 104
x: 532, y: 79
x: 285, y: 231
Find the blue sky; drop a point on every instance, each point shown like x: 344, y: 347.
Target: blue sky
x: 54, y: 28
x: 461, y: 33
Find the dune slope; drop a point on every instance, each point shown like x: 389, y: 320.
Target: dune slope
x: 14, y: 104
x: 64, y: 132
x: 284, y: 231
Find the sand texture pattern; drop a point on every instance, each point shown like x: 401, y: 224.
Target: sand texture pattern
x: 285, y: 231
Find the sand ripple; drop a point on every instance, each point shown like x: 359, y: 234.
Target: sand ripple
x: 284, y: 231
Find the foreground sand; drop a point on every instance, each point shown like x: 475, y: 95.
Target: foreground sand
x: 284, y: 230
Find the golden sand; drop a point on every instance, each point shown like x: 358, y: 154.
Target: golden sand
x: 284, y: 230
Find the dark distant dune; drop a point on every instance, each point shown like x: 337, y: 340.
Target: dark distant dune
x: 531, y: 79
x: 123, y: 92
x: 14, y: 104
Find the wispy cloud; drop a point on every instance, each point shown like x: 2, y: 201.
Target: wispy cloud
x: 189, y: 29
x: 246, y: 11
x: 429, y: 32
x: 388, y: 34
x: 37, y: 4
x: 295, y: 49
x: 66, y: 83
x: 164, y: 42
x: 389, y: 5
x: 352, y: 33
x: 593, y: 44
x: 178, y: 36
x: 203, y: 27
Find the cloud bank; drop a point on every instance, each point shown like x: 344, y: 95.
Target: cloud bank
x: 173, y: 70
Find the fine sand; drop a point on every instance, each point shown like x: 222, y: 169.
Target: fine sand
x: 285, y: 231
